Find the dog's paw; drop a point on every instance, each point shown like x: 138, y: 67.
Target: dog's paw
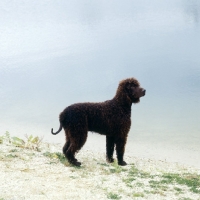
x: 122, y: 163
x: 76, y: 163
x: 110, y: 160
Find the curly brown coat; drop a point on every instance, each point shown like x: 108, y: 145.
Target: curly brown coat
x: 111, y: 118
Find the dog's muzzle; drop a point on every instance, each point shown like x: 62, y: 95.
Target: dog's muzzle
x: 143, y: 92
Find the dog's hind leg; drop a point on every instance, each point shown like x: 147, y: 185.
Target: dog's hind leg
x: 66, y: 146
x: 110, y: 148
x: 65, y: 149
x: 77, y: 140
x: 70, y: 155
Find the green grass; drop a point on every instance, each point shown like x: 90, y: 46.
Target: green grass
x: 138, y: 195
x: 111, y: 195
x: 139, y: 184
x: 158, y: 185
x: 115, y: 168
x: 103, y: 164
x: 190, y: 180
x: 56, y: 155
x: 1, y: 142
x: 178, y: 189
x: 134, y: 172
x: 11, y: 156
x: 14, y: 150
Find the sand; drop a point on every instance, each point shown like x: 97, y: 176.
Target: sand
x: 43, y: 173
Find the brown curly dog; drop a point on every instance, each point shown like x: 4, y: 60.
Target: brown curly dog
x: 111, y: 118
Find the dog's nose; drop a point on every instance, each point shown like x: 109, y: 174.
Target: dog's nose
x: 144, y: 91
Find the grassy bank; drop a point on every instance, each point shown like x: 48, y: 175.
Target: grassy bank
x: 32, y: 169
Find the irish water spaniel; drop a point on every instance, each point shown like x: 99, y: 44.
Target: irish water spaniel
x: 111, y: 118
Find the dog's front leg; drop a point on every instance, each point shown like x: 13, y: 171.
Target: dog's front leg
x: 109, y: 149
x: 120, y: 149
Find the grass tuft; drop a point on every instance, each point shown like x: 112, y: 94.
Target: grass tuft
x: 138, y: 195
x: 111, y: 195
x: 31, y: 142
x: 58, y: 156
x: 192, y: 181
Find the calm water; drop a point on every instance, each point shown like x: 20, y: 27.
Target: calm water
x: 53, y: 54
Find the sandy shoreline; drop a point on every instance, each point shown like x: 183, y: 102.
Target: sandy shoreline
x: 31, y: 174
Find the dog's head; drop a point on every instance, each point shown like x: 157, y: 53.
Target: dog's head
x: 131, y: 89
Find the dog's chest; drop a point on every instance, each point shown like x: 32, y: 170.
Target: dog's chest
x: 110, y: 124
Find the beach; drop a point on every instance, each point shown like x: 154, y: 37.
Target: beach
x: 34, y: 170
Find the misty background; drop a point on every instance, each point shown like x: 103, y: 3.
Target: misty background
x: 55, y: 53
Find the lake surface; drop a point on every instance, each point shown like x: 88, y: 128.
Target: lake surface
x: 53, y: 54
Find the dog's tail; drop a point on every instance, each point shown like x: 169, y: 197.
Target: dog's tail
x: 57, y: 131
